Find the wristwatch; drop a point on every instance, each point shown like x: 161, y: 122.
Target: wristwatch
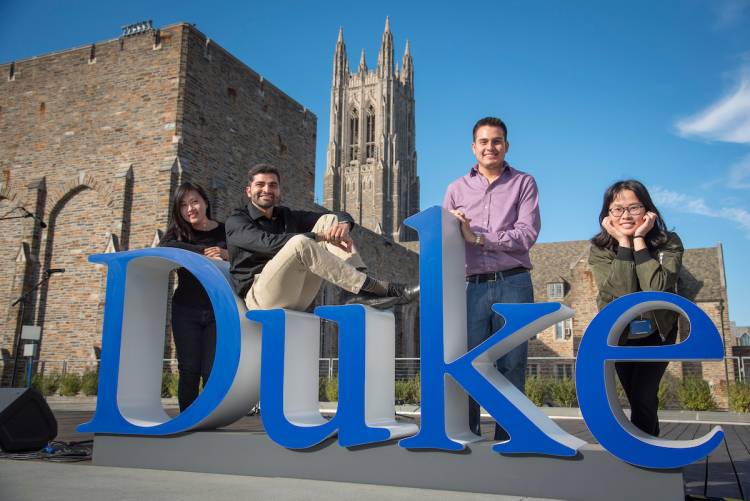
x: 478, y: 239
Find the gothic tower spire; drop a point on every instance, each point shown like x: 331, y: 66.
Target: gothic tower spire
x: 385, y: 56
x: 362, y: 70
x: 340, y: 62
x: 407, y: 69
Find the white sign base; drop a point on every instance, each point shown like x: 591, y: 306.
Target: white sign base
x: 591, y: 476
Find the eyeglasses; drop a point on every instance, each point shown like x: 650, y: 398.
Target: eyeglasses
x: 633, y: 210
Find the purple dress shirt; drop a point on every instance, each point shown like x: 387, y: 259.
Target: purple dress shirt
x: 506, y: 212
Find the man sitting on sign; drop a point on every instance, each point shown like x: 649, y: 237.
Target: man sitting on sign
x: 279, y: 257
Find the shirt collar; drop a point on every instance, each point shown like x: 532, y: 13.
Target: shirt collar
x: 255, y: 213
x: 475, y: 169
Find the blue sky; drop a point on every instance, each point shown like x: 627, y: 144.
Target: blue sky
x: 592, y: 92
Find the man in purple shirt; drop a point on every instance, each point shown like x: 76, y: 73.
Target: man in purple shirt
x: 498, y: 210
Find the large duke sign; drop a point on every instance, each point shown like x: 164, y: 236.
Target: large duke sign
x: 280, y: 367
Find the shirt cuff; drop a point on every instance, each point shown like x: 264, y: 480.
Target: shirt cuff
x: 624, y: 254
x: 344, y: 217
x: 642, y: 256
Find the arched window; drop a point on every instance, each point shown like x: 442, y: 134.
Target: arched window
x: 354, y: 135
x: 370, y: 133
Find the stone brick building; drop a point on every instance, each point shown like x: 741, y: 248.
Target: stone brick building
x: 561, y: 273
x: 371, y: 170
x: 94, y: 140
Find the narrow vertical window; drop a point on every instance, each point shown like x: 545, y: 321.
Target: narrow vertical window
x: 370, y: 133
x: 354, y: 135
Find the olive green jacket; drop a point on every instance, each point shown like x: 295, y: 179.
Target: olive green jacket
x: 622, y: 271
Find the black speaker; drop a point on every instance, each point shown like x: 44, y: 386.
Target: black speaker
x: 26, y: 421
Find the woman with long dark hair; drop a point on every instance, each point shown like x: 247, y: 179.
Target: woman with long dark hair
x: 635, y: 252
x: 193, y: 323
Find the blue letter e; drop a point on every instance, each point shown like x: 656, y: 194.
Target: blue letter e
x: 595, y: 379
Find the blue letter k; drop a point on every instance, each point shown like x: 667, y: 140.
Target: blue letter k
x: 443, y: 345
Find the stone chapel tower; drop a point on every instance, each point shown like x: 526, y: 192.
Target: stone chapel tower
x: 371, y: 170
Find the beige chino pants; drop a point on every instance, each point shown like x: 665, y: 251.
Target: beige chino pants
x: 293, y: 277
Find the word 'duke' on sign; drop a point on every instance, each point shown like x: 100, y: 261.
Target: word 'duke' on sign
x: 272, y: 356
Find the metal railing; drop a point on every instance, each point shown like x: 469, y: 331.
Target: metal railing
x: 405, y: 368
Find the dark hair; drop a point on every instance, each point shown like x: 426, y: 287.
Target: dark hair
x: 182, y: 230
x: 492, y: 122
x: 656, y: 237
x: 262, y: 169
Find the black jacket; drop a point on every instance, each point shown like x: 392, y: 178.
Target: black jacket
x: 253, y: 239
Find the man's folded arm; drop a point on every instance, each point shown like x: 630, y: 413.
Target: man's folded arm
x: 243, y: 233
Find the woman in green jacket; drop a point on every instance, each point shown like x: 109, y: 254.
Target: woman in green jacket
x: 635, y: 252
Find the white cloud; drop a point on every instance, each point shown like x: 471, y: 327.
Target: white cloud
x: 726, y: 120
x: 696, y: 205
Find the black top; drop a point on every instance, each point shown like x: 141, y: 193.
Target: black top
x: 253, y: 239
x: 190, y: 292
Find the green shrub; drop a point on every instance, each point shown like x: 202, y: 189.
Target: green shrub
x: 37, y: 382
x: 668, y: 392
x: 90, y: 383
x: 538, y: 390
x: 739, y: 397
x: 322, y: 389
x: 408, y: 391
x: 169, y: 381
x: 695, y: 395
x: 328, y: 389
x: 70, y: 385
x: 564, y: 393
x: 46, y: 384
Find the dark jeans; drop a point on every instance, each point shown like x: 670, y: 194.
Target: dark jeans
x: 194, y: 332
x: 640, y: 380
x: 482, y: 322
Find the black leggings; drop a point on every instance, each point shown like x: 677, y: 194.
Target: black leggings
x: 641, y: 383
x: 194, y: 332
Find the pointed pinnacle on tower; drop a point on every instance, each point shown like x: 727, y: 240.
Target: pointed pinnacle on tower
x: 385, y: 56
x: 340, y: 62
x: 407, y: 67
x: 362, y: 63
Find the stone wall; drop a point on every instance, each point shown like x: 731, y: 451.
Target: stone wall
x: 83, y: 133
x: 233, y: 119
